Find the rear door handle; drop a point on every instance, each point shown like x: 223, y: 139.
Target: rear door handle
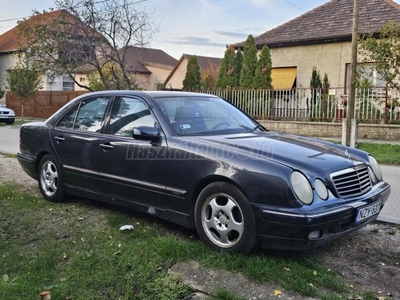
x: 106, y: 146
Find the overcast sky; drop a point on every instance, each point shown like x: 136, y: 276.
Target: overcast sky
x: 201, y: 27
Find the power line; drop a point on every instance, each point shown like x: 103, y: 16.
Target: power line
x: 295, y: 6
x: 98, y: 2
x: 13, y: 19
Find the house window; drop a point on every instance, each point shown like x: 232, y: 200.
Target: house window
x: 68, y: 84
x: 368, y: 74
x: 284, y: 78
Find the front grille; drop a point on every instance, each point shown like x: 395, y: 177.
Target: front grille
x: 352, y: 181
x: 4, y: 112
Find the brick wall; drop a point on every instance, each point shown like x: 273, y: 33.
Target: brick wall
x: 334, y: 130
x: 43, y: 105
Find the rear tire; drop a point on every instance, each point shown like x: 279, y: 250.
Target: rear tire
x: 51, y: 182
x: 225, y: 220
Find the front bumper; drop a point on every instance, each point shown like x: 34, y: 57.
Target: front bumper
x: 7, y: 118
x: 291, y: 228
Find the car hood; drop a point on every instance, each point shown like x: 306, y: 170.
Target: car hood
x: 294, y: 151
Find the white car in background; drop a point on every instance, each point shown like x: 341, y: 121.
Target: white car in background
x: 7, y: 115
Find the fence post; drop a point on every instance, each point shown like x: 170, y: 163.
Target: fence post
x: 386, y: 104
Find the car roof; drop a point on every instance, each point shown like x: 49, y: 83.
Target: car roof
x: 153, y: 94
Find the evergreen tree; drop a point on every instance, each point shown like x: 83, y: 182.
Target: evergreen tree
x: 238, y: 66
x: 325, y: 94
x: 315, y: 86
x: 249, y: 63
x: 263, y: 78
x: 226, y: 75
x: 192, y: 77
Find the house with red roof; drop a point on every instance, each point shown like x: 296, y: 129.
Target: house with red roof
x: 13, y: 44
x: 150, y: 66
x: 322, y: 38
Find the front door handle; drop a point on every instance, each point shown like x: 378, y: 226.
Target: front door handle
x: 106, y: 146
x: 59, y: 139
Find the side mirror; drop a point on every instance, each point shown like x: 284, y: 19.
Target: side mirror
x: 146, y: 133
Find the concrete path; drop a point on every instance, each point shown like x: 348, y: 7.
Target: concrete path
x: 9, y: 139
x: 9, y: 143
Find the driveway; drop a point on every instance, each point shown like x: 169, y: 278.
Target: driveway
x: 9, y: 137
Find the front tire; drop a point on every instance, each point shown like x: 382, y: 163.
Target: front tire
x: 51, y: 183
x: 225, y: 220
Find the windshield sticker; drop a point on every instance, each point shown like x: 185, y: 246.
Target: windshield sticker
x: 185, y: 126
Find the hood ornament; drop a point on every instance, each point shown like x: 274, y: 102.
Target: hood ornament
x: 347, y: 154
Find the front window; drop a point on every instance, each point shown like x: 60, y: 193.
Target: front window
x: 196, y: 115
x: 128, y: 113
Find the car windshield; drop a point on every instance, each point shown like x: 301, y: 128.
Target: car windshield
x: 202, y: 115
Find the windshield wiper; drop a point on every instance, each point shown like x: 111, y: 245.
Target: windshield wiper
x: 252, y: 129
x: 258, y: 126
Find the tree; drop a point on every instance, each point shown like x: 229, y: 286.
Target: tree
x: 87, y: 35
x: 315, y: 81
x: 249, y: 63
x: 226, y: 75
x: 192, y: 77
x: 238, y: 66
x: 325, y: 94
x: 2, y: 92
x: 208, y: 79
x: 315, y: 86
x: 112, y: 73
x: 23, y: 82
x: 384, y: 51
x: 263, y: 78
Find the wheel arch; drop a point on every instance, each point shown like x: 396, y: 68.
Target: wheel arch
x: 211, y: 179
x: 39, y: 159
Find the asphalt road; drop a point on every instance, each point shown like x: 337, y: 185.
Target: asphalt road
x: 9, y: 143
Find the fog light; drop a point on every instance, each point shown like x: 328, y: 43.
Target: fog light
x: 315, y: 235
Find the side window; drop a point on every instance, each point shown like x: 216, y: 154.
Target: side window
x: 128, y: 113
x: 90, y: 116
x: 68, y: 120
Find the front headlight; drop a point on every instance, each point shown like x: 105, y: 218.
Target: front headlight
x: 301, y: 187
x: 321, y: 189
x: 375, y: 167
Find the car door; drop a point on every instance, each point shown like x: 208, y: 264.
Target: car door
x: 75, y: 139
x: 134, y: 168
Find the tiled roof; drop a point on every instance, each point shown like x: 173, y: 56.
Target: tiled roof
x: 138, y: 57
x: 12, y: 39
x: 205, y: 61
x: 330, y: 22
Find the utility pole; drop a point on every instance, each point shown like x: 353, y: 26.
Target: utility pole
x: 351, y: 122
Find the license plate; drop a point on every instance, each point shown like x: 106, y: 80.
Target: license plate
x: 368, y: 211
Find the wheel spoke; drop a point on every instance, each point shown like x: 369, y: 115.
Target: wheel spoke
x: 214, y: 207
x: 234, y: 225
x: 224, y: 235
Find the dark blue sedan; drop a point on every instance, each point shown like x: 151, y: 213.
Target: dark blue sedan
x: 196, y: 160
